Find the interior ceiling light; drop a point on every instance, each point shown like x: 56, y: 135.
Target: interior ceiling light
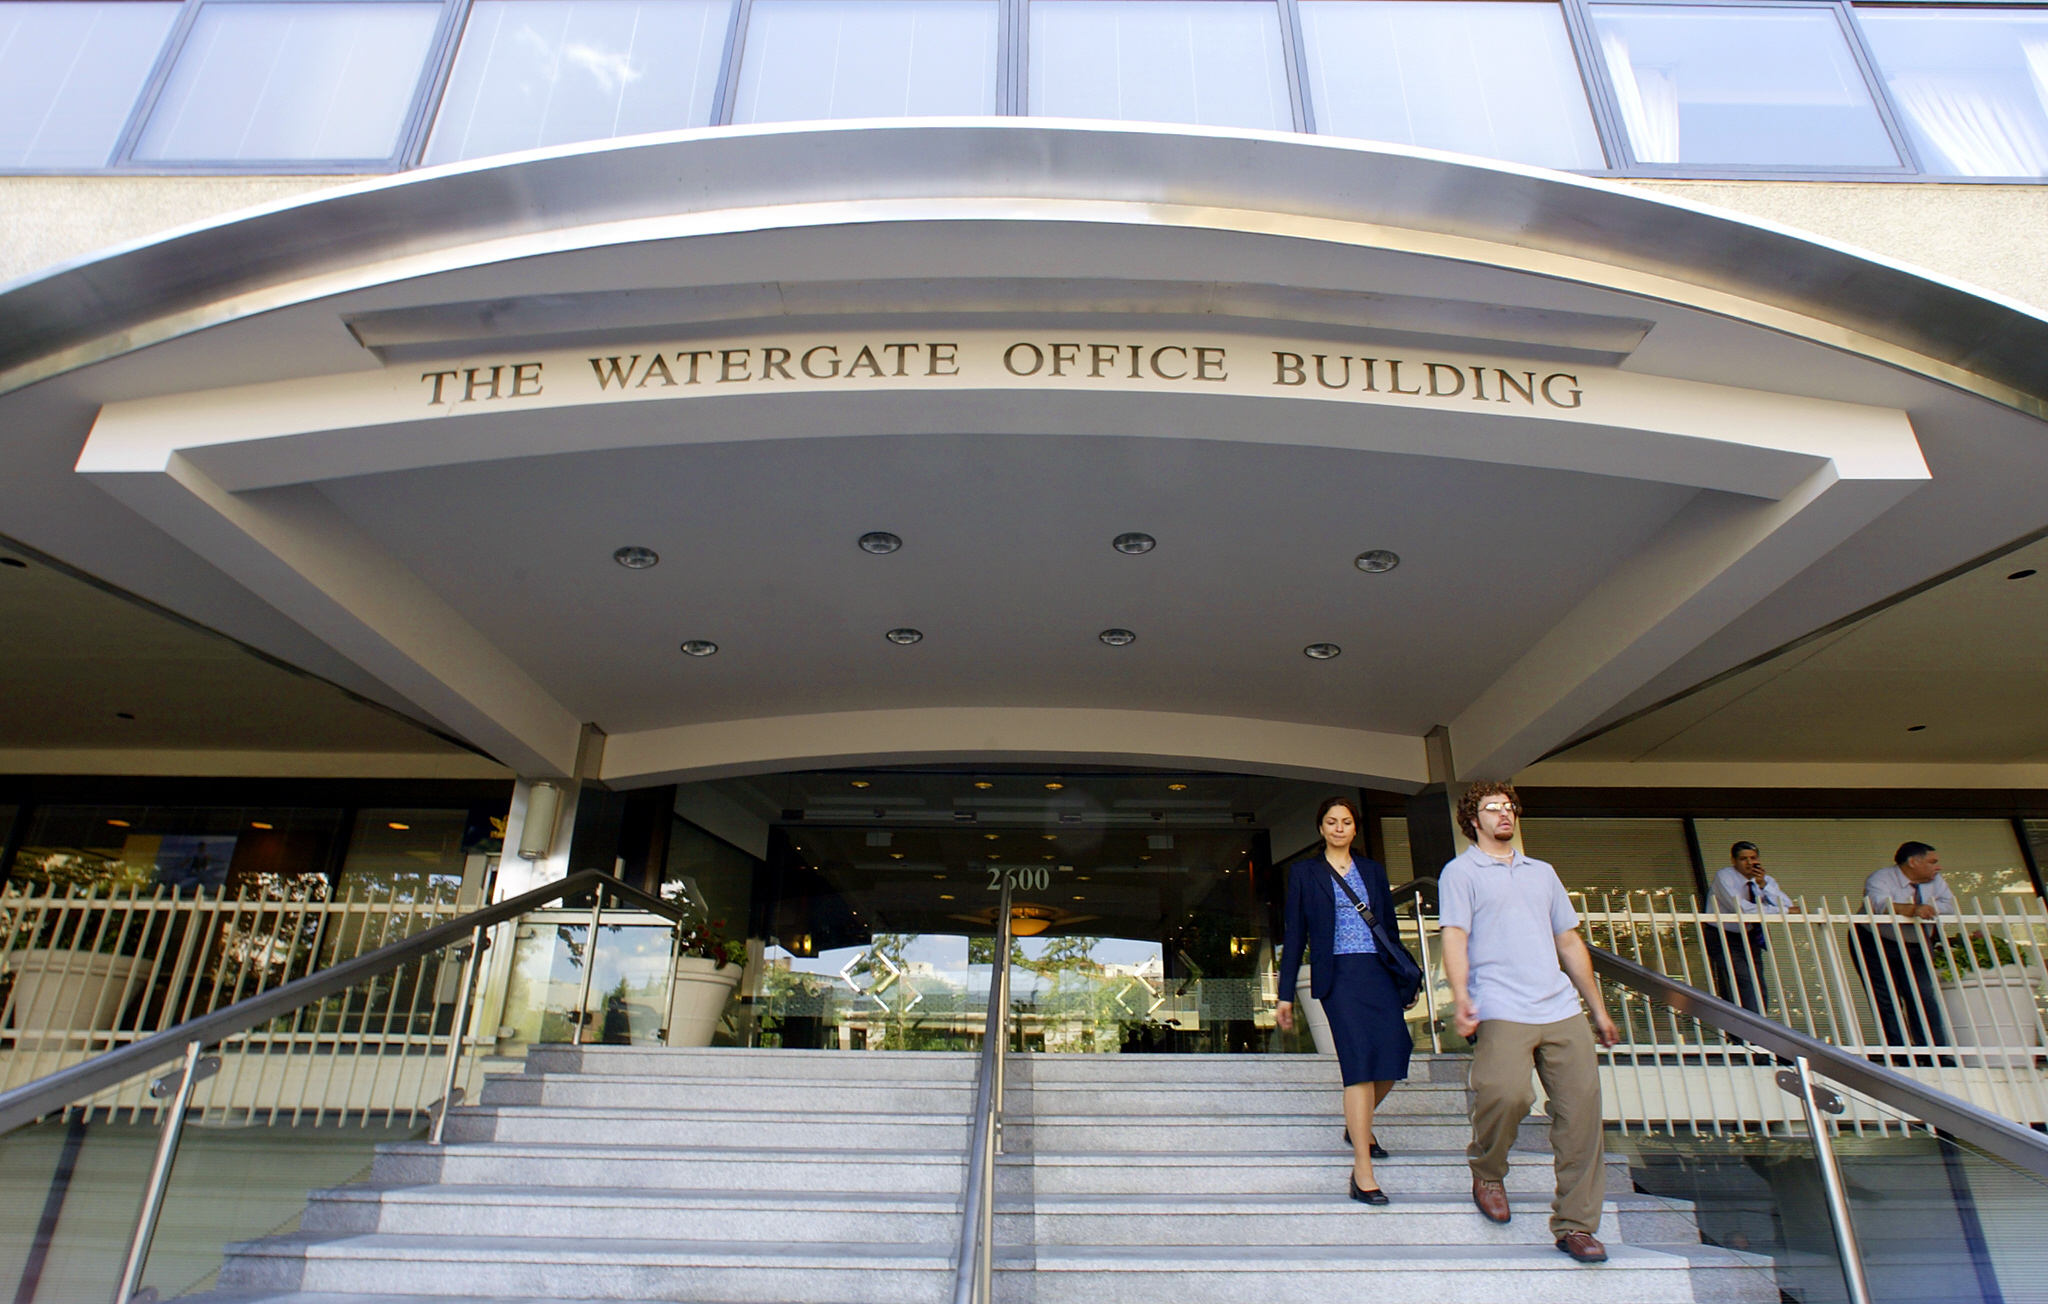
x: 258, y: 824
x: 2016, y: 575
x: 983, y: 784
x: 1176, y: 787
x: 945, y: 896
x: 904, y: 637
x: 1118, y: 637
x: 860, y: 783
x: 394, y: 824
x: 636, y: 558
x: 1050, y: 837
x: 699, y: 647
x: 119, y: 824
x: 1376, y: 562
x: 879, y: 542
x: 897, y: 855
x: 1322, y: 651
x: 1133, y: 543
x: 991, y: 836
x: 1054, y: 787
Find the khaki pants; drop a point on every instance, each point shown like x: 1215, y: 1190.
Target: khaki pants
x: 1562, y: 1055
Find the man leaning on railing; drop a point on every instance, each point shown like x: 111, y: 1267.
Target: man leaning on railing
x: 1735, y: 949
x: 1893, y: 956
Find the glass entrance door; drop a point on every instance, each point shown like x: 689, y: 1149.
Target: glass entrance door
x: 1144, y: 908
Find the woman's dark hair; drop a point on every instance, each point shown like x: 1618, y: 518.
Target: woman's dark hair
x: 1348, y: 803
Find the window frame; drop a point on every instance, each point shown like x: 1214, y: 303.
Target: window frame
x: 411, y: 132
x: 728, y: 92
x: 1013, y: 93
x: 1600, y: 82
x: 1291, y: 55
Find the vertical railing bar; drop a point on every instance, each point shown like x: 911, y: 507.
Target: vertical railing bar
x: 1837, y: 1193
x: 458, y: 1021
x: 2007, y: 921
x: 412, y: 1017
x: 1650, y: 1027
x: 157, y: 944
x: 589, y: 967
x: 18, y: 907
x: 72, y: 900
x: 1677, y: 1034
x: 159, y: 1178
x: 312, y: 921
x: 334, y: 1009
x: 1940, y: 947
x: 1436, y: 1044
x: 380, y: 1042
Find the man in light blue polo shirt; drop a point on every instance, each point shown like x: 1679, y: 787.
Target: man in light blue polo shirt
x: 1518, y: 968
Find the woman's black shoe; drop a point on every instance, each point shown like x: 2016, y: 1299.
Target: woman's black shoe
x: 1375, y: 1149
x: 1374, y: 1196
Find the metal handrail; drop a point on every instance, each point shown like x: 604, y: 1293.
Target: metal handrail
x: 1959, y: 1118
x: 974, y: 1272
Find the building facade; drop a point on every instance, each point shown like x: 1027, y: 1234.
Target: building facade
x: 840, y: 452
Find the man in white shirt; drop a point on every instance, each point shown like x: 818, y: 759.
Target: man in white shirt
x: 1735, y: 947
x: 1911, y: 896
x: 1518, y: 969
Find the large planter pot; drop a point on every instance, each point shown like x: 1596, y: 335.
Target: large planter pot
x: 1311, y: 1011
x: 702, y: 988
x: 61, y: 991
x: 1994, y: 1008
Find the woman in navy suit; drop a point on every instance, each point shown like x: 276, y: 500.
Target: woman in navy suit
x: 1348, y: 977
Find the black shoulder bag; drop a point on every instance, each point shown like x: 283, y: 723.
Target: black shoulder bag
x: 1401, y: 966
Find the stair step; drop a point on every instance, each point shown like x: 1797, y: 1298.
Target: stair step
x: 561, y: 1268
x: 707, y: 1127
x: 601, y: 1213
x: 1275, y: 1173
x: 1329, y: 1218
x: 732, y: 1168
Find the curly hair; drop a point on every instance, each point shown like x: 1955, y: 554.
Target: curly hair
x: 1468, y: 805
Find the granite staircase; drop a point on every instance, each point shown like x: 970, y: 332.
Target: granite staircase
x: 828, y: 1177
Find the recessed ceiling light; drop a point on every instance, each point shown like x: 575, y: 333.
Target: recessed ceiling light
x: 1133, y: 543
x: 941, y: 877
x: 880, y: 542
x: 1322, y: 651
x: 1176, y: 787
x: 119, y: 824
x: 258, y: 824
x: 1051, y: 857
x: 394, y: 824
x: 897, y: 855
x: 991, y: 836
x: 15, y: 562
x: 1050, y: 837
x: 2020, y: 575
x: 1915, y: 728
x: 993, y: 856
x: 124, y: 715
x: 983, y: 784
x: 1080, y: 898
x: 636, y: 558
x: 1118, y: 637
x: 699, y: 647
x: 944, y: 896
x: 1054, y: 787
x: 860, y: 783
x: 904, y: 637
x: 1376, y: 562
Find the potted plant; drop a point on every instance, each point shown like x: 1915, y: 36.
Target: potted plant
x: 1988, y: 995
x: 707, y: 969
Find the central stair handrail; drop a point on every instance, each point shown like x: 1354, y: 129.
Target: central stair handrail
x: 974, y: 1272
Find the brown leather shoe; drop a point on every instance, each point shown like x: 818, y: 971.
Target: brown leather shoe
x: 1582, y: 1246
x: 1492, y: 1199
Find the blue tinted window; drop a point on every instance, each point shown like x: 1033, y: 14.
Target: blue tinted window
x: 69, y: 75
x: 818, y: 59
x: 551, y: 72
x: 1752, y: 86
x: 1971, y: 85
x: 1493, y: 79
x: 292, y: 82
x: 1219, y: 63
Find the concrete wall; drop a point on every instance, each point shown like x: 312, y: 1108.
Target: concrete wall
x: 1992, y: 236
x: 49, y: 220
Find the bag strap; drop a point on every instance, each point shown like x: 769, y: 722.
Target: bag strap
x: 1364, y: 911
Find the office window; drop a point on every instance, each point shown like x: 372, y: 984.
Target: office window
x: 1829, y: 859
x: 1612, y: 859
x: 1494, y: 79
x: 69, y: 75
x: 1740, y: 87
x: 1218, y: 63
x: 405, y: 855
x: 1971, y: 84
x: 814, y: 59
x: 531, y: 73
x: 291, y: 83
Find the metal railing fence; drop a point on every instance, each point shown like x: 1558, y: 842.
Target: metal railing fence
x: 87, y: 974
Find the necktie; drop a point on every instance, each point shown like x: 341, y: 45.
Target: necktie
x: 1926, y: 930
x: 1756, y: 930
